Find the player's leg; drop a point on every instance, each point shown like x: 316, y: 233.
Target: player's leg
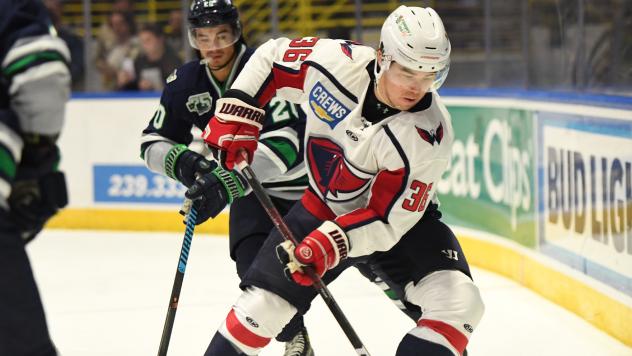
x: 255, y: 318
x: 452, y: 308
x: 270, y: 299
x: 23, y: 329
x: 393, y: 291
x: 249, y: 228
x: 429, y: 265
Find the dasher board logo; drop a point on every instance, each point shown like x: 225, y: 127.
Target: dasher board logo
x: 326, y: 106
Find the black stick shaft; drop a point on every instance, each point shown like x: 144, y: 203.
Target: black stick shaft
x: 177, y: 282
x: 287, y: 234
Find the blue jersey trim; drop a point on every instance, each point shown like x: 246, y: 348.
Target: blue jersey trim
x: 617, y: 101
x: 116, y: 95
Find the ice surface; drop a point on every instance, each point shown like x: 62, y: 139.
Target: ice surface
x: 106, y: 293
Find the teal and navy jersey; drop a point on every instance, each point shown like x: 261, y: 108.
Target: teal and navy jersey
x: 34, y: 87
x: 188, y: 102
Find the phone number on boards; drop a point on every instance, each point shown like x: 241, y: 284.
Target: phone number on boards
x: 138, y: 185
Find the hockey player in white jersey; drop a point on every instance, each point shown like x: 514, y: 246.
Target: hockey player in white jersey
x: 377, y: 141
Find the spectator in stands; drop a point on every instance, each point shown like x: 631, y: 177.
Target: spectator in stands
x: 74, y: 42
x: 173, y: 32
x: 125, y: 47
x: 105, y: 35
x: 153, y: 65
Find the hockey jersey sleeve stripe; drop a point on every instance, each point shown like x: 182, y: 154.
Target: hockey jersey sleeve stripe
x: 298, y: 184
x: 285, y: 133
x: 7, y: 164
x: 391, y: 184
x: 315, y: 206
x: 5, y: 190
x: 149, y: 139
x: 43, y: 71
x: 280, y: 77
x: 266, y: 154
x: 153, y: 137
x: 284, y: 77
x: 333, y: 79
x: 406, y: 168
x: 380, y: 203
x: 38, y: 44
x: 357, y: 218
x: 11, y: 141
x: 283, y: 149
x: 32, y: 60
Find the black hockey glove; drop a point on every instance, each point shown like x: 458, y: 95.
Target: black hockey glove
x: 213, y: 191
x: 185, y: 165
x: 33, y: 201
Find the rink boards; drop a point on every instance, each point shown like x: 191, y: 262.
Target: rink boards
x: 552, y: 177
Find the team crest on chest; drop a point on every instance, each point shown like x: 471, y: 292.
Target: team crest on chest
x: 326, y: 106
x: 200, y: 103
x: 335, y: 178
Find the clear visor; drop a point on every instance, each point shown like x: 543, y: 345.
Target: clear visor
x: 415, y: 80
x: 214, y: 38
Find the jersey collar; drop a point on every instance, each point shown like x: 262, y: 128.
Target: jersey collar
x: 220, y: 87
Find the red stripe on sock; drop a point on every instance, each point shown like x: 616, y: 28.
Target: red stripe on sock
x: 243, y: 335
x: 455, y: 337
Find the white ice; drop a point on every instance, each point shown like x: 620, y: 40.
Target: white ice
x: 106, y: 293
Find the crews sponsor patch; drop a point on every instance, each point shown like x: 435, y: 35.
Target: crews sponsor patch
x: 326, y: 107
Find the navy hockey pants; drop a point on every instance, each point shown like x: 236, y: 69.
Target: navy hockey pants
x: 23, y: 330
x: 249, y: 227
x: 419, y: 252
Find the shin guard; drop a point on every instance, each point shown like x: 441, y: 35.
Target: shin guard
x: 257, y: 317
x: 451, y: 309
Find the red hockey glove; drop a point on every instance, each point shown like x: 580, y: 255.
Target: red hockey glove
x: 234, y: 127
x: 322, y: 249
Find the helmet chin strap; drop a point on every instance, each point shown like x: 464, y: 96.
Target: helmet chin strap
x: 379, y: 69
x: 383, y: 67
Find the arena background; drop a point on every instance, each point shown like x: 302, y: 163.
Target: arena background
x: 540, y: 92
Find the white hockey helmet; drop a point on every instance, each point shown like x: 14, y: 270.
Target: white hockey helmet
x: 415, y: 38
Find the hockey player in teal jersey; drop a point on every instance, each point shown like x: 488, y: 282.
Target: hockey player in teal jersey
x: 187, y: 102
x: 34, y: 88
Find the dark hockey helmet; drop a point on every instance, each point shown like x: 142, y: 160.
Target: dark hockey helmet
x: 212, y: 13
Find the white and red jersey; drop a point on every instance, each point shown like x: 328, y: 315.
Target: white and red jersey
x: 376, y: 174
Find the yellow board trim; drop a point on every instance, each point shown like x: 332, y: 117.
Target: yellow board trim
x: 132, y: 220
x: 602, y: 311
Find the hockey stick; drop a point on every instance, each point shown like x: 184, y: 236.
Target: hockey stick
x: 191, y: 216
x: 287, y: 234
